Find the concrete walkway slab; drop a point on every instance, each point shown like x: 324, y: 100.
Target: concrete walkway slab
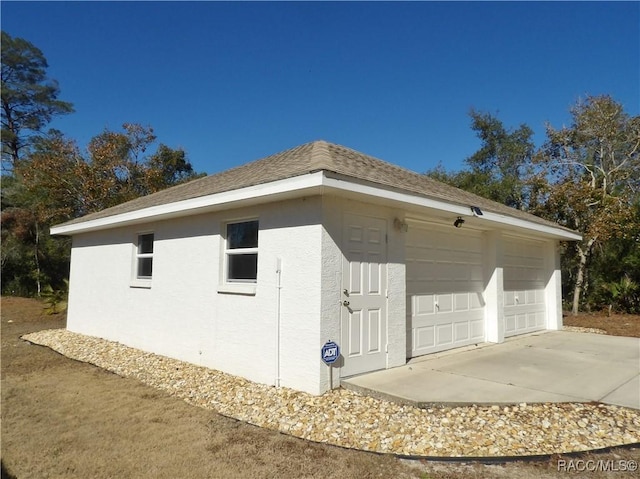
x: 554, y: 366
x: 626, y: 395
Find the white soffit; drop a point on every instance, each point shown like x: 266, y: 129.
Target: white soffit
x: 491, y: 220
x: 312, y: 183
x: 280, y: 189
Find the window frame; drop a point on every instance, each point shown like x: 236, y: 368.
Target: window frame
x: 138, y: 281
x: 238, y: 285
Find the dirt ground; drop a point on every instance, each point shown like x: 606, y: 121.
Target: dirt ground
x: 66, y: 419
x: 615, y: 325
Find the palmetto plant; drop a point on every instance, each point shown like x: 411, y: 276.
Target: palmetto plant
x: 55, y: 300
x: 623, y: 294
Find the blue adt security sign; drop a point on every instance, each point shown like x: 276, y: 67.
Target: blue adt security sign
x: 330, y: 352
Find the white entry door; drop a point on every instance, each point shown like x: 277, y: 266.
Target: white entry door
x: 364, y: 296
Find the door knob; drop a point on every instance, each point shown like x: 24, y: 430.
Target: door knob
x: 346, y: 292
x: 345, y: 303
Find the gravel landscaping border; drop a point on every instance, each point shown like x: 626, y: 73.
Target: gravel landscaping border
x: 346, y: 419
x: 579, y: 329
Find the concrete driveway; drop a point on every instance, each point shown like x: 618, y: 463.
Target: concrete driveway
x: 551, y: 366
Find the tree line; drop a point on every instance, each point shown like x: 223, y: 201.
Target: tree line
x: 586, y: 176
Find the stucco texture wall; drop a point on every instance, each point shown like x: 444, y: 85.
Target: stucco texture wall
x: 182, y: 314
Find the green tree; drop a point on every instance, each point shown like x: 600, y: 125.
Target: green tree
x: 118, y: 170
x: 502, y: 169
x: 115, y: 169
x: 55, y: 183
x: 594, y: 171
x: 168, y: 167
x: 504, y: 160
x: 29, y: 98
x: 41, y: 191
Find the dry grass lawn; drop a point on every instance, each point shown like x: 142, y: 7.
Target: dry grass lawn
x: 65, y: 419
x: 615, y: 325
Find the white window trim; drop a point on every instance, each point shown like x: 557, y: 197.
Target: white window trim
x: 246, y: 287
x: 137, y: 282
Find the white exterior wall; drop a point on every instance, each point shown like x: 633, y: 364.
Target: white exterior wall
x: 183, y: 315
x: 331, y: 294
x: 553, y: 288
x: 494, y: 289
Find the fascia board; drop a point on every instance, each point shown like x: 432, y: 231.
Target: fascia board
x: 299, y: 184
x: 459, y: 210
x: 559, y: 233
x: 195, y: 205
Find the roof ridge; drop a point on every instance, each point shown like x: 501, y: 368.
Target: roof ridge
x: 320, y: 157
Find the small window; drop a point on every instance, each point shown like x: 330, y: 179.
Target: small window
x: 144, y: 256
x: 241, y: 252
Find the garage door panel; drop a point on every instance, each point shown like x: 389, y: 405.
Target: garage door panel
x: 477, y: 329
x: 477, y: 301
x: 444, y: 303
x: 476, y: 274
x: 461, y: 302
x: 444, y: 334
x: 533, y: 297
x: 524, y: 283
x: 521, y: 321
x: 424, y: 304
x: 460, y: 272
x: 457, y: 320
x: 461, y: 329
x: 541, y: 320
x: 445, y: 281
x: 424, y: 338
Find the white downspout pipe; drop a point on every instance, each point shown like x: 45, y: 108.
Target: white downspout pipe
x: 278, y: 289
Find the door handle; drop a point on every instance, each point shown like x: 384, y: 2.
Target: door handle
x: 345, y: 292
x: 345, y: 303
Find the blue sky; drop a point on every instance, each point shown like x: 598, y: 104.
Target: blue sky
x: 234, y: 82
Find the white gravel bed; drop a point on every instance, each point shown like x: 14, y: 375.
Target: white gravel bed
x: 580, y: 329
x: 345, y: 418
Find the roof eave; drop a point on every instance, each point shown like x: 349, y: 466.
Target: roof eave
x: 280, y: 189
x: 314, y: 182
x: 489, y: 220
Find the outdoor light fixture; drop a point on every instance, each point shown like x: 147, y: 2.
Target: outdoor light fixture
x: 400, y: 225
x: 476, y: 211
x: 458, y: 222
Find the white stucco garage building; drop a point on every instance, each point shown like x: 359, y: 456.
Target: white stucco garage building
x: 250, y: 271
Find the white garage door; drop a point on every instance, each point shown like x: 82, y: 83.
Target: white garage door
x: 445, y: 306
x: 524, y: 283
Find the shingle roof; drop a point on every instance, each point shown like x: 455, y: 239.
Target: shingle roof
x: 307, y: 158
